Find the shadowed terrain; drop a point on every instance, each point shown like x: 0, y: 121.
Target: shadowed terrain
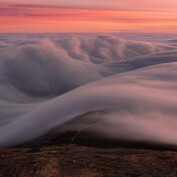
x: 81, y: 161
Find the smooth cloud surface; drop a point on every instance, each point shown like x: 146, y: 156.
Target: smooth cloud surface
x: 138, y: 95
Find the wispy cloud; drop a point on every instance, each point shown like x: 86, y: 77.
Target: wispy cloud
x: 116, y: 14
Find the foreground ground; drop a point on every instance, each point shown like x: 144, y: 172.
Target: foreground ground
x: 81, y: 161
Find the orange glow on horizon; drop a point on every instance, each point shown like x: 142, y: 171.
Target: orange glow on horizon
x: 36, y: 18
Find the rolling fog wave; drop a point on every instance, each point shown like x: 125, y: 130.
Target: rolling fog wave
x: 45, y: 83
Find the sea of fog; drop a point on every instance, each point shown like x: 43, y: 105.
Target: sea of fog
x: 127, y: 82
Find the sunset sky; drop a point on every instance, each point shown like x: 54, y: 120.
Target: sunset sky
x: 106, y: 16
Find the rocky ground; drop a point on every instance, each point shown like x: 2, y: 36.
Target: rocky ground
x: 69, y: 160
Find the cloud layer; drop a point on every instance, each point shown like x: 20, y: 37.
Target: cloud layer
x: 44, y: 68
x: 45, y: 83
x: 80, y: 16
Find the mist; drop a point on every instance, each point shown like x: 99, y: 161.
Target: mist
x: 46, y: 82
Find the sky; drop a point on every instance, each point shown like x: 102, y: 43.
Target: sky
x: 91, y: 16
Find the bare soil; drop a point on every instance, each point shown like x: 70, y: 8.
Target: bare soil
x: 71, y: 160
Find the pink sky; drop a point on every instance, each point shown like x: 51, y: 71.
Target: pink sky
x: 88, y: 16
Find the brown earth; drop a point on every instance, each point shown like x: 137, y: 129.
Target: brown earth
x: 82, y: 161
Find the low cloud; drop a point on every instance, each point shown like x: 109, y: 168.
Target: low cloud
x: 48, y: 82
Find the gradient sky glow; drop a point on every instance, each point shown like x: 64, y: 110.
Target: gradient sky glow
x: 19, y: 16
